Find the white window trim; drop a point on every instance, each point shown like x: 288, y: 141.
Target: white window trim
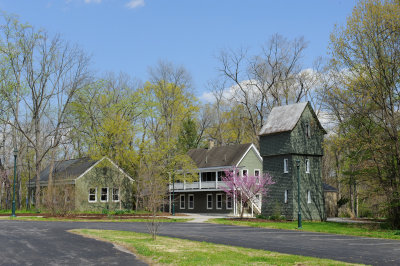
x: 216, y: 201
x: 246, y: 171
x: 309, y: 197
x: 190, y: 195
x: 101, y: 194
x: 227, y: 200
x: 285, y: 197
x: 307, y: 166
x: 209, y: 208
x: 95, y: 195
x: 180, y: 201
x: 112, y: 194
x: 285, y: 165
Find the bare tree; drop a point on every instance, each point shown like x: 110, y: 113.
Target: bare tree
x: 50, y: 71
x: 271, y: 78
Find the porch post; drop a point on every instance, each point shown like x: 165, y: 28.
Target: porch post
x: 199, y: 180
x: 234, y: 204
x: 216, y: 179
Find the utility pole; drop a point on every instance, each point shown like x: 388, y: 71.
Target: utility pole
x: 298, y: 195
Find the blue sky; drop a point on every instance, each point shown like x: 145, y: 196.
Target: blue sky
x: 130, y: 35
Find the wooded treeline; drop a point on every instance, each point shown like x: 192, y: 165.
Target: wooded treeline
x: 54, y: 107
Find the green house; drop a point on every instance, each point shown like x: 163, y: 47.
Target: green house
x: 291, y: 144
x: 88, y: 185
x: 206, y: 195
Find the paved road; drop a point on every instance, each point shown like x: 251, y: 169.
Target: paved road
x: 33, y: 240
x: 26, y: 243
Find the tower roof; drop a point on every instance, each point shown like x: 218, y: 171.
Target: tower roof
x: 285, y: 118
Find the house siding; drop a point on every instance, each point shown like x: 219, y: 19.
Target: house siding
x: 200, y: 202
x: 273, y: 203
x: 275, y: 144
x: 251, y: 162
x: 103, y: 175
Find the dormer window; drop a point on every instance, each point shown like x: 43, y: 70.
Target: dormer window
x: 308, y: 130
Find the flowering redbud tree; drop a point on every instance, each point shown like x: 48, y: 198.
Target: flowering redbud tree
x: 245, y: 188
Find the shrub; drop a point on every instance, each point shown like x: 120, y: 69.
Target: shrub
x: 260, y: 216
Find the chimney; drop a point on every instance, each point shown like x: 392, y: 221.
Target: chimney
x: 210, y: 144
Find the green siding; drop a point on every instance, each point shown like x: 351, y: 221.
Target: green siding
x: 309, y: 182
x: 300, y: 143
x: 274, y: 202
x: 103, y: 175
x: 294, y: 145
x: 275, y: 144
x: 251, y: 162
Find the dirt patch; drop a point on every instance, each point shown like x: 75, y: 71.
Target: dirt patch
x: 257, y: 220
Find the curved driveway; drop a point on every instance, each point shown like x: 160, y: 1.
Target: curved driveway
x: 23, y: 242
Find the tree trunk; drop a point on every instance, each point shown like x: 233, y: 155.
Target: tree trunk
x: 50, y: 185
x: 1, y: 194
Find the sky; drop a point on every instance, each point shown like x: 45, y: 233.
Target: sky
x: 130, y: 35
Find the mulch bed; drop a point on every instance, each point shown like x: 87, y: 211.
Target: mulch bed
x: 257, y: 220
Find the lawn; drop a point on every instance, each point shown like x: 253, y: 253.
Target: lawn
x: 175, y: 251
x: 354, y: 229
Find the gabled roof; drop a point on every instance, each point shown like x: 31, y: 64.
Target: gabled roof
x: 220, y: 156
x: 329, y: 188
x: 68, y: 169
x: 285, y: 118
x: 73, y: 169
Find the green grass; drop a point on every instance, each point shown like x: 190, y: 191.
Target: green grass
x: 17, y: 211
x: 111, y: 219
x: 174, y: 251
x: 353, y: 229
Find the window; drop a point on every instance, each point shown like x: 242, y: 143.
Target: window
x: 286, y: 165
x: 209, y: 201
x: 257, y: 175
x: 115, y: 194
x: 307, y: 166
x: 244, y: 172
x: 285, y: 200
x: 221, y: 174
x: 92, y: 194
x: 219, y: 201
x: 104, y: 194
x: 182, y: 201
x: 228, y: 202
x: 308, y: 196
x: 208, y: 176
x: 191, y: 202
x: 308, y: 130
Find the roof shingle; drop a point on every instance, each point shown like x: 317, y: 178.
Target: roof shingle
x: 218, y: 156
x: 69, y: 169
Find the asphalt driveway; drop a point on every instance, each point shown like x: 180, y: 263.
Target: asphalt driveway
x: 24, y: 242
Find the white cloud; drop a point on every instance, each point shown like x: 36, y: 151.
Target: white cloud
x: 92, y: 1
x: 135, y: 3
